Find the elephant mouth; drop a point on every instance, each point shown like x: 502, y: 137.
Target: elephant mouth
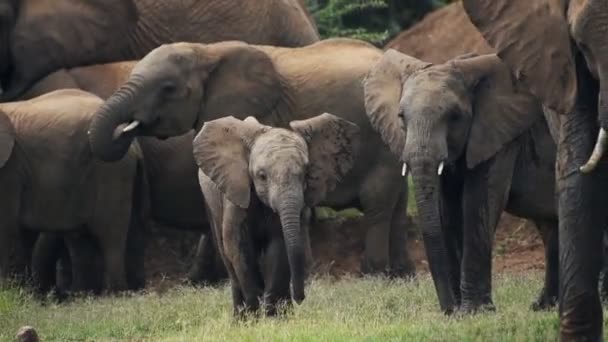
x: 136, y: 128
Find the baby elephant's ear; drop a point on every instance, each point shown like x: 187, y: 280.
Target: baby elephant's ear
x: 221, y: 151
x: 333, y: 145
x: 7, y: 138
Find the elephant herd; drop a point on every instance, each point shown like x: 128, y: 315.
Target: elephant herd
x: 238, y: 121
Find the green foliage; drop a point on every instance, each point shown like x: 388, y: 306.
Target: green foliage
x: 330, y: 18
x: 375, y: 21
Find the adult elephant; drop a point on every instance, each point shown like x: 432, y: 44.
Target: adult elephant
x: 116, y: 30
x: 174, y: 193
x: 475, y: 147
x: 558, y: 49
x: 177, y: 87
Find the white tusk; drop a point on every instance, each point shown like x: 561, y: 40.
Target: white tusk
x: 598, y: 152
x: 131, y: 126
x: 404, y: 170
x: 440, y: 169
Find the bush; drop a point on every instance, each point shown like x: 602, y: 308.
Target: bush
x: 375, y: 21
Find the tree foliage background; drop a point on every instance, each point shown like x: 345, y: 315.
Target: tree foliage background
x: 376, y: 21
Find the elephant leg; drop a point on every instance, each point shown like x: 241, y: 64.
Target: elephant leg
x: 604, y: 271
x: 207, y: 268
x: 239, y: 251
x: 276, y: 295
x: 484, y: 198
x: 62, y: 270
x: 548, y: 295
x: 47, y: 251
x: 582, y: 217
x: 12, y: 256
x: 378, y: 198
x: 85, y: 262
x: 451, y: 218
x: 401, y: 264
x: 135, y: 254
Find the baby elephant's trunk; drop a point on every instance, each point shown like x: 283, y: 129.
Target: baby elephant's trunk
x: 291, y: 208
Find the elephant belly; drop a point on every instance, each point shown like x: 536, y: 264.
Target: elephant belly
x: 533, y: 195
x: 56, y: 203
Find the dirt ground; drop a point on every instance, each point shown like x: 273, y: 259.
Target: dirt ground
x: 338, y: 247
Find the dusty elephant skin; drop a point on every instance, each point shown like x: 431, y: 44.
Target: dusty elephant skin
x: 262, y: 232
x: 558, y: 49
x: 52, y: 182
x: 459, y: 129
x: 177, y: 87
x: 117, y: 30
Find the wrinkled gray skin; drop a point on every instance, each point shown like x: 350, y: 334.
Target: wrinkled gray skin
x: 174, y: 194
x: 117, y: 30
x: 262, y: 232
x: 177, y: 87
x: 458, y: 127
x: 52, y: 182
x: 557, y: 48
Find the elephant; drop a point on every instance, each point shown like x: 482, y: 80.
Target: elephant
x: 557, y: 49
x: 174, y: 194
x: 177, y: 87
x: 475, y: 145
x: 53, y: 183
x: 117, y: 30
x: 259, y: 184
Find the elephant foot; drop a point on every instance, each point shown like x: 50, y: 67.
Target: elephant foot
x: 279, y: 308
x: 544, y: 302
x: 472, y: 308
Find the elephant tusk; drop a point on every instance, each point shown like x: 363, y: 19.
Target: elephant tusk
x: 404, y: 170
x: 440, y: 169
x: 598, y: 152
x: 133, y: 125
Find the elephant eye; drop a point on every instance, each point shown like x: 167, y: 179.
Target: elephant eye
x: 169, y: 88
x: 454, y: 116
x: 262, y: 175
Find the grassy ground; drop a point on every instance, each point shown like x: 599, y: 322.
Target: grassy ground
x: 354, y: 309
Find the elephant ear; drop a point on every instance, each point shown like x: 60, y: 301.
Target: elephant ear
x: 221, y: 151
x: 244, y: 80
x: 533, y: 38
x: 383, y: 86
x: 333, y: 145
x: 503, y: 109
x: 7, y: 138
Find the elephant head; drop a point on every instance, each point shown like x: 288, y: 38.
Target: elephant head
x: 176, y: 87
x: 289, y: 169
x: 37, y: 39
x: 432, y: 115
x: 546, y: 43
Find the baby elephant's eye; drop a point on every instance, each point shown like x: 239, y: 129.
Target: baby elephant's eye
x: 454, y: 117
x: 262, y: 175
x: 401, y: 115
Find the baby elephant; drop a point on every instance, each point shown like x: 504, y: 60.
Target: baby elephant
x: 262, y: 232
x: 51, y: 182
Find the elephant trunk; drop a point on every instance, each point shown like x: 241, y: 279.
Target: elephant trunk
x: 290, y: 214
x: 424, y: 172
x: 106, y: 143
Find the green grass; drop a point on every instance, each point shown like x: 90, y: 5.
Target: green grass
x: 346, y: 310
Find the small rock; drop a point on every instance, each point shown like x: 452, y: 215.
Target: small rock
x: 27, y: 334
